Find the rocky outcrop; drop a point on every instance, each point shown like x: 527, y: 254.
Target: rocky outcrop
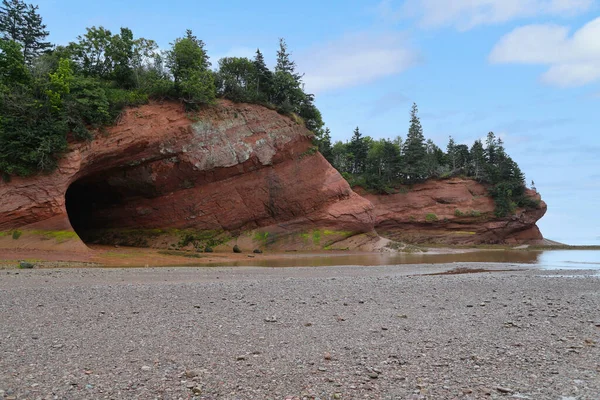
x: 162, y: 177
x: 453, y: 211
x: 232, y: 174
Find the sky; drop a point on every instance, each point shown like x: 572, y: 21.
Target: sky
x: 528, y: 70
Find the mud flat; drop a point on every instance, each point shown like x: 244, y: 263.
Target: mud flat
x: 386, y: 332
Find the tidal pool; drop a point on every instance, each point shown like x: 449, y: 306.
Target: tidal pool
x: 547, y: 259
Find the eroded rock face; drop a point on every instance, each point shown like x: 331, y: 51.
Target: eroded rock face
x: 232, y: 174
x: 231, y: 168
x: 454, y: 211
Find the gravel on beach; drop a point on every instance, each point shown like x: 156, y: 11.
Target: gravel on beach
x: 387, y: 332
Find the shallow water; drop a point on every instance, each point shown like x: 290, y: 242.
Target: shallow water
x: 554, y: 259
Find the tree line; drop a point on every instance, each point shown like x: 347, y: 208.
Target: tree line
x: 383, y: 165
x: 52, y: 94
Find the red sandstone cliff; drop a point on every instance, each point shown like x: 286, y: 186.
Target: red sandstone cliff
x: 238, y: 168
x: 453, y: 211
x: 230, y: 173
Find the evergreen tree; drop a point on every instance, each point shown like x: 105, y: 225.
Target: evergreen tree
x: 478, y: 161
x: 490, y: 148
x: 34, y: 34
x: 189, y: 63
x: 12, y: 19
x: 287, y: 84
x: 451, y: 151
x: 264, y: 78
x: 463, y: 157
x: 23, y: 24
x: 284, y: 63
x: 415, y: 152
x: 324, y: 144
x: 358, y: 149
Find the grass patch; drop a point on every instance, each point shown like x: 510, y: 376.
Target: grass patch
x: 431, y: 218
x: 59, y: 236
x: 261, y: 237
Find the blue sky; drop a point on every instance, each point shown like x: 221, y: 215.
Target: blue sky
x: 529, y: 70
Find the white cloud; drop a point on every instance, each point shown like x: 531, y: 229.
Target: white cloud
x: 467, y: 14
x: 573, y: 60
x: 355, y: 60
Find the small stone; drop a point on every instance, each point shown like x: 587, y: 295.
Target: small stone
x: 337, y: 395
x: 257, y: 251
x: 190, y: 385
x: 271, y: 319
x: 467, y: 391
x: 322, y: 369
x: 503, y: 389
x: 146, y: 368
x: 327, y: 356
x: 197, y: 391
x: 58, y: 346
x: 241, y: 358
x: 373, y: 375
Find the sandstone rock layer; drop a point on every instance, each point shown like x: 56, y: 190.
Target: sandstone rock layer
x: 453, y: 211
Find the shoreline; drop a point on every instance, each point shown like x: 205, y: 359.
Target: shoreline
x: 130, y: 257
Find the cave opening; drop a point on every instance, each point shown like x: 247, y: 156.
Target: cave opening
x: 86, y: 199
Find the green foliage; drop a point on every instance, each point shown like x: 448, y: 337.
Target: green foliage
x: 12, y: 64
x: 390, y: 164
x: 197, y: 88
x: 16, y: 234
x: 25, y: 265
x: 458, y: 213
x: 121, y: 98
x: 237, y: 79
x: 21, y: 23
x: 431, y: 218
x: 236, y: 249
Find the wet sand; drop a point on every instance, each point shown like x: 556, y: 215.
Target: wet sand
x: 383, y: 332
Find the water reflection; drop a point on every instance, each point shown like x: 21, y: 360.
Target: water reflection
x: 555, y: 259
x: 325, y: 260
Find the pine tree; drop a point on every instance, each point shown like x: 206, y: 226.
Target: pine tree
x: 359, y: 149
x: 264, y: 81
x: 415, y: 152
x: 23, y: 24
x: 287, y: 84
x: 325, y: 145
x: 34, y: 33
x: 12, y: 16
x: 284, y: 63
x: 491, y: 148
x: 477, y: 167
x: 451, y: 151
